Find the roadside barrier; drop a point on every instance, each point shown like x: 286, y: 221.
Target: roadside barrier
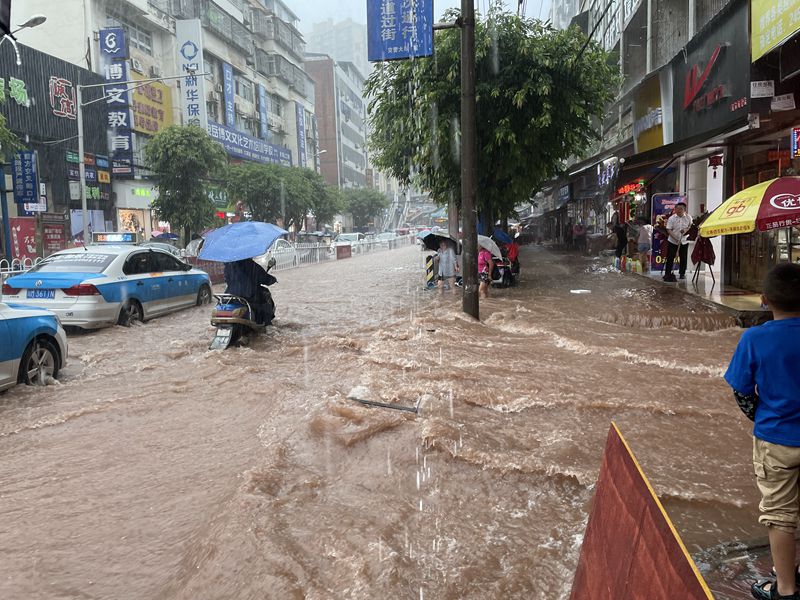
x: 16, y: 266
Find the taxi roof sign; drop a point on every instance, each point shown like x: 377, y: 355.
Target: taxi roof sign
x: 115, y: 237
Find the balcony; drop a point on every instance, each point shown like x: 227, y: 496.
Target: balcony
x: 222, y: 24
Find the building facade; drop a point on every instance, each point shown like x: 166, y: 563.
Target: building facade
x: 707, y: 107
x: 256, y: 100
x: 341, y: 117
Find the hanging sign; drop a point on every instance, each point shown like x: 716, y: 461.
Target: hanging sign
x: 190, y: 62
x: 25, y: 177
x: 300, y: 114
x: 228, y: 91
x: 119, y: 120
x: 795, y: 142
x: 399, y: 29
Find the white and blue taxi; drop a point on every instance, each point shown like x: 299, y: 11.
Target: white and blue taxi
x: 99, y: 285
x: 33, y: 346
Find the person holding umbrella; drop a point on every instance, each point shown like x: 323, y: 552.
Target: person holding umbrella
x: 448, y: 265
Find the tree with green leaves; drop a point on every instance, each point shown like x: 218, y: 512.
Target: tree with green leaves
x: 538, y: 91
x: 258, y: 186
x: 9, y: 142
x: 184, y: 161
x: 364, y: 204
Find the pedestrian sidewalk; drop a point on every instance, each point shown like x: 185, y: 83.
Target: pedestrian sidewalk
x: 745, y: 305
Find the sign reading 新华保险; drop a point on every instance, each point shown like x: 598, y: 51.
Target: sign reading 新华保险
x: 772, y: 23
x: 190, y: 62
x: 399, y: 29
x: 241, y: 145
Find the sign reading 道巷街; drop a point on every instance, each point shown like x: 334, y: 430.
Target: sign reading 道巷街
x: 772, y: 23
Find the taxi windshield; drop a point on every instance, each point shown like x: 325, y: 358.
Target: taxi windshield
x: 86, y: 262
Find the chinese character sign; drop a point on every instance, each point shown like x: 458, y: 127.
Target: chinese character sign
x: 152, y: 106
x: 772, y: 22
x: 119, y: 119
x: 795, y: 142
x: 262, y: 112
x: 62, y: 98
x: 300, y: 113
x: 190, y: 62
x: 399, y: 29
x: 228, y: 91
x: 25, y: 177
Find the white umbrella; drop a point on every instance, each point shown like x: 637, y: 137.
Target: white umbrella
x: 490, y: 245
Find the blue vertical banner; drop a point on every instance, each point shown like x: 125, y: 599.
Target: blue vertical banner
x: 119, y: 124
x: 301, y: 134
x: 228, y: 91
x: 263, y: 109
x: 25, y: 177
x: 398, y: 29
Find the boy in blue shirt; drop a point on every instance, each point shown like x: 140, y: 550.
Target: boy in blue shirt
x: 765, y: 376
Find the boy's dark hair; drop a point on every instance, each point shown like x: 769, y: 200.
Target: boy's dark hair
x: 782, y: 287
x: 683, y: 204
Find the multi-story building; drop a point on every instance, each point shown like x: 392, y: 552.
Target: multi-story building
x: 345, y: 41
x: 341, y: 118
x: 706, y: 108
x: 256, y: 99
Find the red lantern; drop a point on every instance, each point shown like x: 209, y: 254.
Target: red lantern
x: 714, y: 162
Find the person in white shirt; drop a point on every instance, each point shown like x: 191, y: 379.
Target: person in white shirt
x: 677, y: 229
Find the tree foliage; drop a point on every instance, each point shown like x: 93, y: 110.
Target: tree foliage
x: 9, y: 142
x: 364, y: 204
x: 184, y: 160
x: 271, y: 191
x: 537, y: 94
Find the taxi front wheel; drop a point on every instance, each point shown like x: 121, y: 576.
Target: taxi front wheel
x: 39, y: 363
x: 131, y: 311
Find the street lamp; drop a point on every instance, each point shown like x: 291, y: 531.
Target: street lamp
x: 34, y: 21
x: 80, y: 104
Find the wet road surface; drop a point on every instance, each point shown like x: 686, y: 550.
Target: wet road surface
x: 159, y: 469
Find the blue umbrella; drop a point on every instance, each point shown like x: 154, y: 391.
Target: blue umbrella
x: 166, y: 236
x: 501, y: 236
x: 239, y: 241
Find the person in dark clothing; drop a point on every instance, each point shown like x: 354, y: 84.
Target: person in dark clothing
x: 620, y: 232
x: 244, y: 279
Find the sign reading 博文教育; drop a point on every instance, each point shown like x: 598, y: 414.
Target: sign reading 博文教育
x: 228, y: 92
x: 399, y: 29
x: 190, y: 62
x: 119, y: 120
x: 300, y: 113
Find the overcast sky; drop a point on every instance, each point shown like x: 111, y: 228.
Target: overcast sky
x: 314, y: 11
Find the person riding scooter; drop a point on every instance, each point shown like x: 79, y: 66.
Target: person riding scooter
x: 244, y: 278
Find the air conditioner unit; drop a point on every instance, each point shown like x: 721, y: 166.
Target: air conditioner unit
x: 218, y: 88
x: 155, y: 72
x: 238, y: 108
x: 137, y: 66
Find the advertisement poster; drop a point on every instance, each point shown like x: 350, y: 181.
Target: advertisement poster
x: 663, y: 205
x: 76, y: 222
x: 23, y: 238
x: 55, y: 238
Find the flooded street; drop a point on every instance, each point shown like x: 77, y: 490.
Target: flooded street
x: 159, y: 469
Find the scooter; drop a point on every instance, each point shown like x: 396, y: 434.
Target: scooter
x: 234, y: 317
x: 503, y: 274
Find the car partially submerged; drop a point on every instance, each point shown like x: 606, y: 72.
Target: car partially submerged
x: 101, y: 285
x: 33, y: 345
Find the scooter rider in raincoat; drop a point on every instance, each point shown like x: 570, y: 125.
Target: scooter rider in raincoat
x: 244, y: 279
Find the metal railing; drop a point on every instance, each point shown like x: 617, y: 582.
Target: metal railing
x: 16, y: 266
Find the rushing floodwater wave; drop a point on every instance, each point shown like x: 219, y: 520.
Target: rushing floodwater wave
x: 159, y: 469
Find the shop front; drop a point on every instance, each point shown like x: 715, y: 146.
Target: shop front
x: 134, y: 212
x: 772, y: 149
x: 40, y: 108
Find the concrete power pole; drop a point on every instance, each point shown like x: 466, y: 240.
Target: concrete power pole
x: 469, y: 171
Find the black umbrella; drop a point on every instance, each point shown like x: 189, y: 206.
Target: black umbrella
x: 431, y: 239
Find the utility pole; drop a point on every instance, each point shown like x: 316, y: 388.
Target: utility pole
x: 469, y: 171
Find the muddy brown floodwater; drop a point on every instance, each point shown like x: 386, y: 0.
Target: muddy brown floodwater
x: 158, y: 469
